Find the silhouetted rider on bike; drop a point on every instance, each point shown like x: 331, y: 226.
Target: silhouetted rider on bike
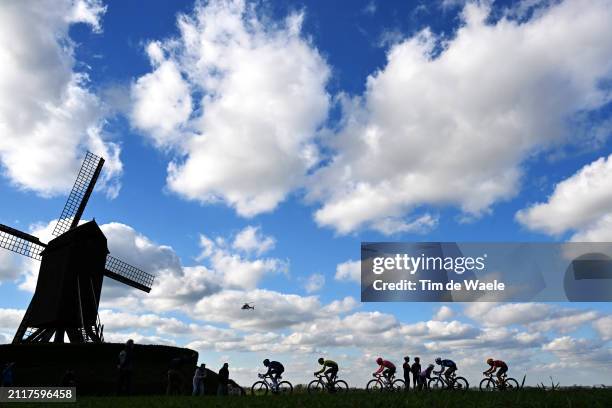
x: 449, y: 365
x: 275, y: 369
x: 495, y: 364
x: 387, y: 366
x: 331, y: 369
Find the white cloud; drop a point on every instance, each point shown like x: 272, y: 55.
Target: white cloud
x: 581, y: 202
x: 314, y: 283
x: 349, y: 271
x: 534, y: 316
x: 444, y: 313
x: 420, y: 225
x: 236, y: 270
x: 450, y: 122
x: 242, y: 98
x: 48, y: 116
x: 604, y: 327
x: 250, y: 239
x: 10, y: 318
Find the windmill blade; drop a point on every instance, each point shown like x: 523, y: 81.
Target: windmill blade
x: 20, y: 242
x: 130, y: 275
x: 81, y: 191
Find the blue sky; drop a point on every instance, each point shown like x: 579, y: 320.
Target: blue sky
x: 251, y: 147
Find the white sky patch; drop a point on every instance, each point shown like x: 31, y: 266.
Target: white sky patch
x: 454, y: 127
x: 242, y: 98
x: 581, y: 202
x: 444, y: 313
x: 250, y: 239
x: 314, y: 283
x: 48, y: 115
x: 349, y: 271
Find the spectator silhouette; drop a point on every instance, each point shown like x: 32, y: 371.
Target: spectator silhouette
x: 8, y: 375
x: 126, y: 367
x: 69, y: 378
x: 198, y: 380
x: 175, y: 377
x: 406, y: 366
x: 416, y: 372
x: 223, y: 380
x: 425, y: 376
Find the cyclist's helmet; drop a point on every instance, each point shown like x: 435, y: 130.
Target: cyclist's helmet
x: 379, y: 360
x: 266, y: 362
x: 321, y: 360
x: 489, y: 361
x: 438, y: 360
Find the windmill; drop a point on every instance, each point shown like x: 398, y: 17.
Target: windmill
x: 73, y: 266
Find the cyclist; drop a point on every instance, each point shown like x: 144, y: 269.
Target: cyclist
x: 449, y: 365
x: 387, y: 366
x: 332, y: 370
x: 495, y: 364
x: 275, y: 369
x: 424, y: 376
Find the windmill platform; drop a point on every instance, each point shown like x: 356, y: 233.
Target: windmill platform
x: 95, y: 366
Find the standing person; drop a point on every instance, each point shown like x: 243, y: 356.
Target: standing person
x: 126, y: 366
x: 223, y: 380
x: 198, y: 380
x: 7, y: 375
x: 407, y: 368
x: 416, y: 372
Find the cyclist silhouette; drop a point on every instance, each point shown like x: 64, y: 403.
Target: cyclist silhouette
x: 494, y: 365
x: 386, y: 367
x: 275, y: 369
x: 331, y: 372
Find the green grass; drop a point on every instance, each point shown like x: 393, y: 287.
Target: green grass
x: 591, y: 398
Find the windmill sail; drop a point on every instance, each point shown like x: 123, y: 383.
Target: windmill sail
x: 81, y: 191
x: 20, y: 242
x: 128, y: 274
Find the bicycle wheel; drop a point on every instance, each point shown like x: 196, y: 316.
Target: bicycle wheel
x: 285, y: 387
x: 374, y: 386
x: 461, y: 384
x: 488, y: 384
x: 512, y: 384
x: 398, y: 385
x: 259, y: 388
x: 340, y: 386
x: 436, y: 384
x: 316, y: 387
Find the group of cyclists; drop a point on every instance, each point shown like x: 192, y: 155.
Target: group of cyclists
x: 329, y: 369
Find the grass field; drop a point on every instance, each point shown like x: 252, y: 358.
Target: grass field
x: 595, y: 398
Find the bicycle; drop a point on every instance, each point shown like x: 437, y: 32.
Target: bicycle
x: 491, y: 383
x: 266, y: 384
x: 322, y: 383
x: 381, y: 383
x: 454, y: 383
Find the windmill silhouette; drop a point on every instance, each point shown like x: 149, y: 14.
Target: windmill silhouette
x: 73, y: 266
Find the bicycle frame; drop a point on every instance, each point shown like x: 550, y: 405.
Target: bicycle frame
x: 387, y: 383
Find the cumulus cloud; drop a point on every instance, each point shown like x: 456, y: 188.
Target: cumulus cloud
x: 314, y: 283
x: 604, y: 327
x: 349, y: 271
x: 444, y: 313
x: 581, y: 202
x: 239, y: 98
x: 250, y: 239
x: 451, y: 121
x: 535, y: 316
x: 46, y: 108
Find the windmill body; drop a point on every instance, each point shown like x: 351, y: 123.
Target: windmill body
x: 72, y: 270
x: 71, y: 264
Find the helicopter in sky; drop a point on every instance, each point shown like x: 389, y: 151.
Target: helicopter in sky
x: 248, y: 306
